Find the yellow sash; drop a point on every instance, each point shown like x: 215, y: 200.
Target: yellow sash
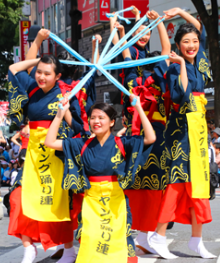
x: 103, y: 238
x: 198, y: 156
x: 43, y: 199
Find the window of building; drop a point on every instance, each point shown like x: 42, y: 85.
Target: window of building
x: 55, y: 19
x: 68, y: 8
x: 61, y: 16
x: 47, y: 18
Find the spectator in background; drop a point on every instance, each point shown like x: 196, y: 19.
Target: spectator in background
x: 4, y: 153
x: 5, y: 173
x: 217, y: 159
x: 14, y: 171
x: 9, y: 149
x: 2, y: 139
x: 15, y: 149
x: 212, y: 125
x: 216, y: 135
x: 211, y: 149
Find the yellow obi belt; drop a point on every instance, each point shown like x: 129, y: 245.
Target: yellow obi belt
x: 198, y: 154
x: 43, y: 198
x: 103, y: 236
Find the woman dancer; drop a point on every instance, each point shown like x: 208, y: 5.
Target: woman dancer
x: 150, y: 180
x: 185, y: 158
x: 101, y: 166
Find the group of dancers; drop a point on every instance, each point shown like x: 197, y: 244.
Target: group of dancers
x: 103, y: 185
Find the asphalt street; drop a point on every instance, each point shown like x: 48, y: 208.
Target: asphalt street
x: 11, y: 250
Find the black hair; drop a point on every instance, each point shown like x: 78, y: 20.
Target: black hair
x: 146, y: 23
x: 150, y: 67
x: 26, y: 120
x: 217, y: 145
x: 68, y: 70
x: 109, y: 110
x: 185, y: 29
x: 21, y: 157
x: 51, y: 59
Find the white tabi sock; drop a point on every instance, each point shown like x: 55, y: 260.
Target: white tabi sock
x: 158, y: 243
x: 30, y: 254
x: 142, y: 246
x: 69, y: 255
x: 196, y: 245
x: 141, y: 237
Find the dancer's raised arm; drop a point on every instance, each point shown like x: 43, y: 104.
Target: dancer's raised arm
x: 33, y: 50
x: 51, y: 140
x: 136, y: 12
x: 93, y: 47
x: 178, y: 11
x: 125, y: 53
x: 164, y: 39
x: 23, y: 65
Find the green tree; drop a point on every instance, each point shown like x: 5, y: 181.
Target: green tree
x: 10, y: 14
x: 210, y: 22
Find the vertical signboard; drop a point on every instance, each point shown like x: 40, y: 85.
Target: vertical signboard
x: 24, y: 30
x: 101, y: 8
x: 104, y: 7
x: 87, y: 7
x: 142, y: 5
x: 16, y: 54
x: 26, y: 9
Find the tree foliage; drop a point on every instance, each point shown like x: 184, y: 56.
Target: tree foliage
x: 210, y: 22
x: 10, y: 14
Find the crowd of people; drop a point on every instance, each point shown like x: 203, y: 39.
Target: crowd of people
x: 78, y: 176
x: 9, y: 153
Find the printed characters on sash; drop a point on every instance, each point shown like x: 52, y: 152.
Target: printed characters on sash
x: 44, y: 211
x: 93, y: 169
x: 186, y: 149
x: 150, y: 181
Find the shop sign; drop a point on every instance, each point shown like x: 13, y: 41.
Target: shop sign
x: 142, y: 5
x: 24, y: 31
x: 87, y: 7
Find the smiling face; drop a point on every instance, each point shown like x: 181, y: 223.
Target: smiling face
x: 45, y: 76
x: 189, y: 46
x: 142, y: 42
x: 100, y: 122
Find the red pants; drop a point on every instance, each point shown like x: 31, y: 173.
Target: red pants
x: 49, y: 234
x: 145, y: 206
x: 77, y: 207
x: 176, y: 204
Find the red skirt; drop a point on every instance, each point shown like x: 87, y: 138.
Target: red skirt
x: 49, y: 234
x: 145, y: 207
x: 176, y: 204
x: 77, y: 207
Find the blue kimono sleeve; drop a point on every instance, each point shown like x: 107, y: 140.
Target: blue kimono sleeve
x: 74, y: 173
x: 20, y: 86
x: 175, y: 85
x: 77, y: 123
x: 202, y: 37
x: 201, y: 59
x: 159, y: 70
x: 130, y: 73
x: 136, y: 156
